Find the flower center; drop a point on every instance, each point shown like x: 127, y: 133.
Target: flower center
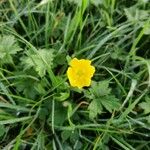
x: 80, y: 72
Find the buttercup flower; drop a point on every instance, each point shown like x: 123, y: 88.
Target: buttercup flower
x: 80, y: 72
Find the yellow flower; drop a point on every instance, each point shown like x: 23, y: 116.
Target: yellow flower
x: 80, y: 72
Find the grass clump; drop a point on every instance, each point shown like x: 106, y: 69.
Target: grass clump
x: 38, y: 107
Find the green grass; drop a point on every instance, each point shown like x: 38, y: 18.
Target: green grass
x: 39, y: 110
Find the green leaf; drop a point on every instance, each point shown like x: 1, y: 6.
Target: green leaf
x: 78, y: 2
x: 66, y: 134
x: 119, y: 54
x: 15, y: 120
x: 95, y: 108
x: 39, y: 61
x: 100, y: 88
x: 8, y: 48
x: 148, y: 119
x: 43, y: 113
x: 74, y: 136
x: 60, y: 115
x: 62, y: 96
x: 97, y: 2
x: 27, y: 86
x: 68, y: 58
x: 147, y: 30
x: 145, y: 105
x: 110, y: 102
x: 101, y: 97
x: 135, y: 15
x: 2, y: 130
x: 40, y: 87
x: 15, y: 107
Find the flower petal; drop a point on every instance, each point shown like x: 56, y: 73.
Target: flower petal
x: 71, y: 76
x: 74, y: 62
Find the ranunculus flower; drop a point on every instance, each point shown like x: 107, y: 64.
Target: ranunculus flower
x: 80, y: 72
